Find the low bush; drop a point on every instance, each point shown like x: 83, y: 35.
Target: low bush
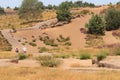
x: 62, y: 39
x: 32, y: 44
x: 34, y: 40
x: 43, y: 49
x: 117, y: 52
x: 85, y: 56
x: 22, y: 56
x: 48, y: 61
x: 50, y: 42
x: 101, y: 56
x: 68, y: 44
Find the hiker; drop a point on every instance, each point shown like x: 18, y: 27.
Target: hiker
x: 24, y: 49
x: 17, y: 50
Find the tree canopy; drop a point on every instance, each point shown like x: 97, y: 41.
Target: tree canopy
x: 112, y: 19
x: 30, y: 9
x: 63, y: 12
x: 95, y: 25
x: 2, y: 11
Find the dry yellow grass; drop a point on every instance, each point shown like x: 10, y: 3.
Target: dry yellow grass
x: 10, y: 21
x: 54, y: 74
x: 6, y: 55
x: 46, y: 15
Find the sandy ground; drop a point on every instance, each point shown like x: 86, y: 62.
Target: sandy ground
x: 71, y: 30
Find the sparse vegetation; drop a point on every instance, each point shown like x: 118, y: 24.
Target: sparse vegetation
x: 84, y: 12
x: 22, y: 56
x: 48, y: 61
x: 4, y: 44
x: 117, y: 52
x: 43, y: 49
x: 32, y: 44
x: 101, y: 56
x: 94, y: 40
x: 85, y: 56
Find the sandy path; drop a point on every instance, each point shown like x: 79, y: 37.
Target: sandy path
x: 12, y: 40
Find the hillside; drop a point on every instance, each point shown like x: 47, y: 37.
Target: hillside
x: 71, y: 30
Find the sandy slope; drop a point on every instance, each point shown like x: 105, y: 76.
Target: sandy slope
x: 72, y: 30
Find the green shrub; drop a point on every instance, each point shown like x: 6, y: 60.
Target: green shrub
x: 48, y: 61
x: 95, y: 25
x: 43, y: 49
x: 117, y: 52
x: 32, y: 44
x: 22, y: 56
x: 63, y: 39
x: 63, y: 12
x: 68, y: 44
x: 101, y: 56
x: 85, y: 56
x: 34, y: 40
x: 112, y: 19
x: 50, y: 42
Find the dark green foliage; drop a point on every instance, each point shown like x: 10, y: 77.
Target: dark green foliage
x: 16, y: 8
x: 50, y: 42
x: 68, y: 44
x: 34, y: 40
x: 112, y: 18
x: 49, y: 7
x: 30, y: 9
x: 22, y: 56
x: 2, y: 11
x: 32, y: 44
x: 101, y: 56
x: 85, y: 56
x: 83, y: 4
x: 118, y: 3
x: 63, y: 12
x: 95, y: 25
x: 117, y: 52
x: 62, y: 39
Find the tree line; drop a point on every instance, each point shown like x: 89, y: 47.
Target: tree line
x: 99, y: 24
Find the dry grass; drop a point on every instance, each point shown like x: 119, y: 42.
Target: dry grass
x: 4, y: 44
x: 6, y: 55
x: 54, y: 74
x: 46, y: 15
x: 10, y: 21
x: 75, y: 65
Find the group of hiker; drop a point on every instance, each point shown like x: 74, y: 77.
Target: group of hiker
x: 24, y: 50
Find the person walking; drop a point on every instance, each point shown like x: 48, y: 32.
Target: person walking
x: 17, y: 50
x: 24, y: 49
